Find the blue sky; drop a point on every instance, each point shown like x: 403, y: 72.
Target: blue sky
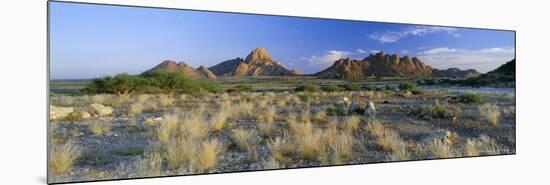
x: 89, y: 41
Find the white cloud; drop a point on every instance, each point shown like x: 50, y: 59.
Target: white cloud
x: 329, y: 58
x: 405, y: 51
x: 291, y: 63
x: 438, y: 50
x: 483, y: 60
x: 374, y: 51
x: 394, y: 36
x: 361, y: 50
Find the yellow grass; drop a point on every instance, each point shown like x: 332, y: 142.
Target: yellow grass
x: 194, y: 126
x: 243, y: 139
x: 491, y: 113
x: 207, y: 156
x: 484, y: 145
x: 389, y: 140
x: 62, y: 157
x: 320, y: 116
x: 136, y: 108
x: 100, y: 127
x: 218, y: 120
x: 351, y: 124
x: 180, y: 150
x: 165, y: 100
x: 167, y: 127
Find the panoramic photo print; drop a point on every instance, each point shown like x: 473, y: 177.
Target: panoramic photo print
x: 140, y: 92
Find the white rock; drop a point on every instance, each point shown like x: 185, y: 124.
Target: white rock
x: 101, y: 110
x: 371, y: 109
x: 59, y: 112
x: 84, y: 115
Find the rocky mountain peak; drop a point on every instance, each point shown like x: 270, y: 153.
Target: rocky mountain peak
x: 258, y: 55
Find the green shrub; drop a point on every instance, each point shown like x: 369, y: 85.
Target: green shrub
x: 332, y: 88
x: 406, y: 86
x: 240, y: 88
x: 306, y: 97
x: 468, y: 98
x: 351, y: 87
x: 307, y: 88
x: 73, y: 116
x: 152, y: 83
x: 418, y: 91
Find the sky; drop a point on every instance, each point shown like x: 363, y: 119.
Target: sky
x: 91, y: 41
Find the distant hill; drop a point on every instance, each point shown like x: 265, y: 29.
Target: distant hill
x: 171, y: 66
x: 379, y: 64
x: 257, y: 63
x: 503, y: 74
x: 509, y: 68
x: 454, y: 73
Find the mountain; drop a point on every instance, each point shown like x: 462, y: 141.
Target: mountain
x: 345, y: 69
x: 171, y: 66
x: 257, y: 63
x: 506, y: 73
x: 379, y: 64
x: 454, y: 73
x: 509, y: 68
x: 206, y: 72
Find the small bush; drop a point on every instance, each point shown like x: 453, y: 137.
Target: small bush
x: 306, y: 97
x: 332, y: 88
x: 468, y: 98
x: 406, y: 86
x: 418, y: 91
x: 73, y: 116
x: 240, y: 88
x: 351, y: 87
x: 307, y: 88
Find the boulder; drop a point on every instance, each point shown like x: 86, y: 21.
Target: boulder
x: 59, y: 112
x: 358, y: 107
x: 371, y: 110
x: 84, y: 115
x: 101, y: 110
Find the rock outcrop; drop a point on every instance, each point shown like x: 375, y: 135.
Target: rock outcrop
x: 454, y: 73
x: 101, y: 110
x: 181, y: 67
x: 57, y: 113
x: 257, y: 63
x: 377, y: 65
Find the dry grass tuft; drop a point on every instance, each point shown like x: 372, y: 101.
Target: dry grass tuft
x: 167, y: 127
x: 207, y: 156
x: 194, y: 126
x: 281, y: 150
x: 218, y: 121
x: 242, y: 109
x: 442, y: 149
x: 180, y: 150
x: 62, y: 158
x: 136, y: 108
x: 484, y: 145
x: 147, y: 166
x: 320, y: 116
x: 491, y: 113
x: 243, y: 139
x: 342, y: 148
x: 351, y: 124
x: 389, y: 140
x: 100, y: 127
x: 165, y: 100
